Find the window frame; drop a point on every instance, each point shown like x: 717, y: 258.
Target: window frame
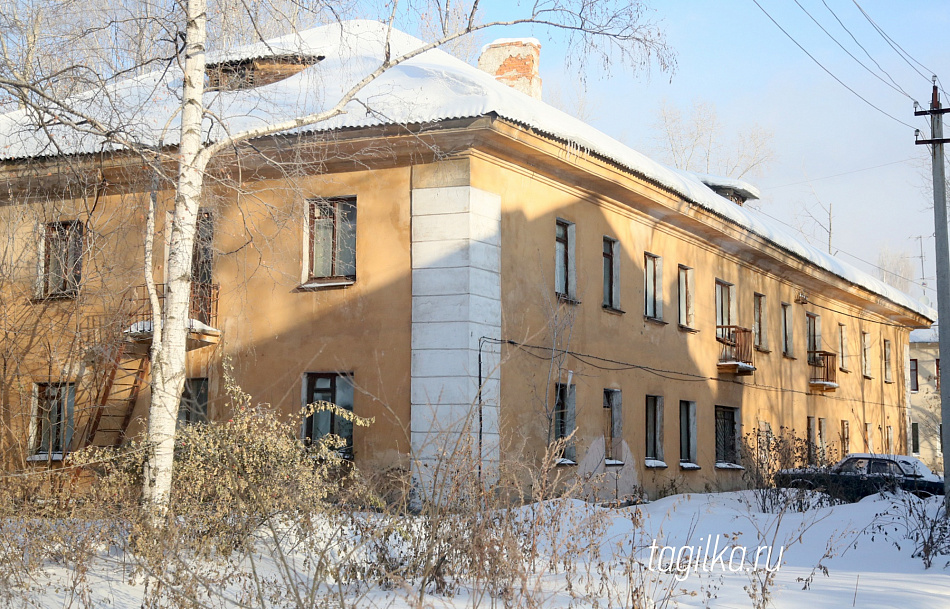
x: 888, y: 362
x: 335, y: 277
x: 843, y: 348
x: 67, y: 240
x: 813, y: 338
x: 760, y: 326
x: 611, y: 274
x: 914, y: 375
x: 845, y: 437
x: 866, y: 354
x: 653, y: 429
x: 568, y: 291
x: 565, y: 418
x: 191, y: 409
x: 725, y: 307
x: 652, y: 286
x: 613, y: 436
x: 788, y: 331
x: 688, y: 447
x: 686, y: 298
x: 308, y: 425
x: 727, y: 441
x: 43, y: 444
x: 915, y: 438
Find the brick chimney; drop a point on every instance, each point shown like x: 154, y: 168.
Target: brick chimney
x: 514, y: 62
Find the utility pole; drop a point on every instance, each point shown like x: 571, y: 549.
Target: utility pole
x: 943, y: 266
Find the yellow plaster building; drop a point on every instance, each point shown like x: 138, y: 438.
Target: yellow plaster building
x: 455, y: 259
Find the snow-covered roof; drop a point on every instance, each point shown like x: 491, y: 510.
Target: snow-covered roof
x: 741, y: 187
x: 501, y: 41
x: 428, y: 88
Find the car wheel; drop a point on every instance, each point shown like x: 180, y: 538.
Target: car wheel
x: 805, y: 485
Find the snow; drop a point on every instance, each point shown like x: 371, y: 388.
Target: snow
x: 823, y: 384
x: 724, y: 465
x: 612, y: 462
x: 864, y: 559
x: 500, y: 41
x: 654, y: 463
x: 428, y: 88
x: 740, y: 186
x: 145, y: 327
x: 685, y: 465
x: 563, y: 461
x: 925, y: 335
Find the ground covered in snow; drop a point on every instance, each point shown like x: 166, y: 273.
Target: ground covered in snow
x: 587, y: 556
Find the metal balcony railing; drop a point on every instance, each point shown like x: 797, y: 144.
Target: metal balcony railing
x: 203, y: 307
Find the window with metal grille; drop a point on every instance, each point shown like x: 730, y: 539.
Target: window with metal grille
x: 333, y: 238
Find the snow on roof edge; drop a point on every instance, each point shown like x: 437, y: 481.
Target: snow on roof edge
x: 501, y: 41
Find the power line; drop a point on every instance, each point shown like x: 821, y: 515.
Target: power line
x: 827, y: 71
x: 838, y: 175
x: 860, y: 63
x: 897, y: 48
x: 879, y: 67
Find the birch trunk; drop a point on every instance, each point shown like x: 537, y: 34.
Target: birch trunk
x: 168, y: 348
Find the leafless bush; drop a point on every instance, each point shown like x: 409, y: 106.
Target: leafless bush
x: 923, y: 521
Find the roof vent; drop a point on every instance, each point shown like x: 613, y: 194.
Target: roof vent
x: 256, y: 72
x: 514, y: 62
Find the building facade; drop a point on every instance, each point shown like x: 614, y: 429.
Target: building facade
x: 925, y: 441
x: 485, y: 277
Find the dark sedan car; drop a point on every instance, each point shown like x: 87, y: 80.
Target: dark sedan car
x: 860, y: 475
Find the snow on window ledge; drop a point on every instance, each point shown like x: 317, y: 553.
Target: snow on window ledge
x: 689, y: 465
x: 724, y: 465
x: 613, y: 462
x: 563, y: 461
x: 46, y: 457
x: 655, y: 463
x: 320, y: 284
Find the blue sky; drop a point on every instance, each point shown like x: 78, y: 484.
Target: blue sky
x: 731, y: 55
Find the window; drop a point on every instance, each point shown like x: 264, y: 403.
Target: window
x: 654, y: 427
x: 888, y: 377
x: 866, y: 354
x: 335, y: 389
x: 687, y: 431
x: 843, y: 347
x: 61, y: 259
x: 813, y: 332
x: 52, y: 422
x: 938, y: 374
x: 653, y: 286
x: 868, y: 438
x: 193, y: 407
x: 564, y: 260
x: 787, y: 329
x: 914, y: 380
x: 724, y: 304
x: 564, y: 419
x: 845, y: 437
x: 759, y: 322
x: 811, y: 441
x: 333, y: 239
x: 686, y: 309
x: 726, y: 435
x: 914, y: 438
x: 613, y: 434
x: 889, y: 447
x: 822, y: 436
x: 611, y: 273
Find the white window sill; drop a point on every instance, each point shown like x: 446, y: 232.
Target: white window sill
x: 564, y: 462
x: 689, y: 329
x: 655, y: 320
x: 613, y: 463
x: 723, y: 465
x: 689, y: 465
x: 46, y: 457
x: 655, y: 464
x: 321, y: 284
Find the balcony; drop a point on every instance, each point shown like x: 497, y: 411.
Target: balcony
x: 824, y: 370
x: 735, y: 350
x: 202, y: 314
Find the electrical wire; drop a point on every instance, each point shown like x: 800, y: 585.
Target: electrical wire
x: 860, y: 63
x: 838, y: 175
x: 897, y: 48
x: 827, y: 71
x: 686, y: 376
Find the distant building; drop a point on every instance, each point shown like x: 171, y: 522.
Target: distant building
x: 925, y: 436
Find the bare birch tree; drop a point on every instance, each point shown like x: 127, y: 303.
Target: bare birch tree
x: 611, y: 30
